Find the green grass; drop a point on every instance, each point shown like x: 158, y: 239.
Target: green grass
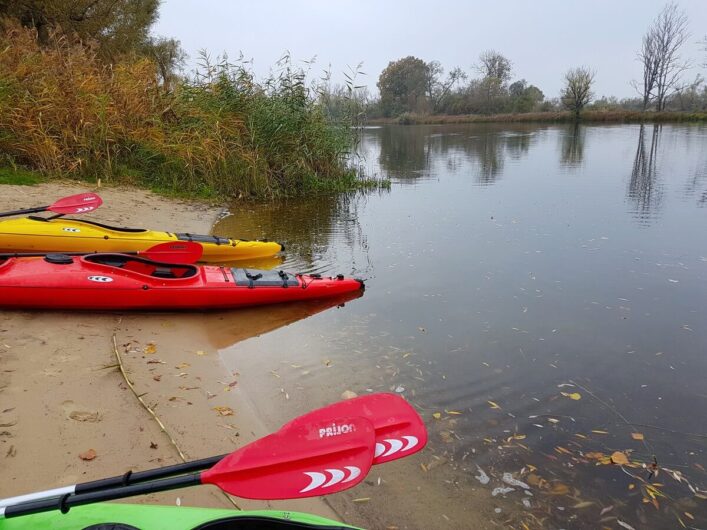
x: 20, y: 177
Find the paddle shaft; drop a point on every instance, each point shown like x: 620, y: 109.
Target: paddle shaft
x: 128, y: 479
x: 28, y: 210
x: 68, y: 500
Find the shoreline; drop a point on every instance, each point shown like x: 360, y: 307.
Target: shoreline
x: 590, y: 116
x: 62, y: 393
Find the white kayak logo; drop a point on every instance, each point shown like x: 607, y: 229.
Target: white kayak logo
x: 80, y: 209
x: 100, y: 279
x: 71, y: 230
x: 330, y: 477
x: 390, y: 446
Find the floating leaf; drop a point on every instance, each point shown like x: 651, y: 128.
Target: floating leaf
x: 88, y: 455
x: 558, y: 488
x: 493, y: 405
x: 637, y: 436
x: 574, y: 395
x: 437, y: 415
x: 583, y: 504
x: 619, y: 458
x: 453, y: 412
x: 597, y: 431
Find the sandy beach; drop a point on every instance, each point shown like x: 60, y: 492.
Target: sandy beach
x: 62, y: 392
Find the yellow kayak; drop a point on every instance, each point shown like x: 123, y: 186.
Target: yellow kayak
x: 36, y: 234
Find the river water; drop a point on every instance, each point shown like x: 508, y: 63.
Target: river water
x: 539, y: 293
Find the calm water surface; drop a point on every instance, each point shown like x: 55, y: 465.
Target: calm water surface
x: 512, y: 270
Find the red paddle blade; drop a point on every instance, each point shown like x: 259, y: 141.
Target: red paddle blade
x: 311, y: 458
x: 399, y: 429
x: 174, y: 252
x: 81, y: 203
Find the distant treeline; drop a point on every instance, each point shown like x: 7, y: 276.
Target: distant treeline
x: 412, y: 90
x: 85, y: 91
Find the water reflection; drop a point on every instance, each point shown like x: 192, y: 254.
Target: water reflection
x: 572, y: 151
x: 408, y: 153
x: 644, y: 189
x: 307, y: 229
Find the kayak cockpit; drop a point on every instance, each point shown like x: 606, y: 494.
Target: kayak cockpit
x: 144, y: 266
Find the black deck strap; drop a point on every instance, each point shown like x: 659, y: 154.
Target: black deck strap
x: 63, y: 508
x: 186, y: 236
x: 126, y: 477
x: 37, y: 218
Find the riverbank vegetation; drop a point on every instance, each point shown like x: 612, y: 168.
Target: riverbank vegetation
x: 101, y: 99
x: 415, y: 91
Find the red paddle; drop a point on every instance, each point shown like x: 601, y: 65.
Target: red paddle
x: 169, y: 252
x: 74, y: 204
x: 303, y: 459
x: 399, y: 429
x: 392, y: 417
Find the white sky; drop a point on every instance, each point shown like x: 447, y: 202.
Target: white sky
x: 543, y: 38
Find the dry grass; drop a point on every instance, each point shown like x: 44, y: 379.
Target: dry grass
x: 64, y: 112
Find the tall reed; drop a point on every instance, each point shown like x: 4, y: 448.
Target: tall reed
x: 64, y: 112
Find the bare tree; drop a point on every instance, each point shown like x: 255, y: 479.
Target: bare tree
x: 494, y: 65
x: 578, y: 89
x: 438, y: 88
x: 648, y: 57
x: 671, y: 32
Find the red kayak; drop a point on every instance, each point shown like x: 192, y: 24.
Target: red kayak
x: 119, y: 281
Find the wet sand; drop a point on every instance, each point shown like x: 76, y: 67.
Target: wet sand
x: 62, y: 394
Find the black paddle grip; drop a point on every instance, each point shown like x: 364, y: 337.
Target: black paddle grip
x: 151, y: 474
x: 66, y: 502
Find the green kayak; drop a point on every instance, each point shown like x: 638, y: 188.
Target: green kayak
x: 114, y: 516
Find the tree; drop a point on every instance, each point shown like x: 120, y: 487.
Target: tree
x: 436, y: 88
x: 117, y: 26
x: 403, y: 85
x: 496, y: 71
x: 524, y: 97
x: 493, y: 64
x: 169, y: 57
x: 659, y: 56
x: 578, y: 89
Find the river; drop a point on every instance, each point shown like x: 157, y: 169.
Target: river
x: 539, y: 292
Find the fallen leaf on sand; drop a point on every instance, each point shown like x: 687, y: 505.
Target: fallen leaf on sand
x: 201, y: 352
x: 637, y: 436
x: 81, y: 415
x: 153, y: 445
x: 88, y: 455
x: 224, y: 411
x: 619, y: 458
x: 182, y: 366
x: 150, y: 348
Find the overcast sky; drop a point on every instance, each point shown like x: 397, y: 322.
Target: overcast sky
x: 543, y: 38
